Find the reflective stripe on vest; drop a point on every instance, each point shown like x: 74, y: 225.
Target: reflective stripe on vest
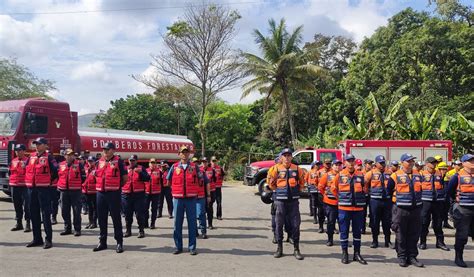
x: 313, y: 181
x: 184, y: 182
x: 287, y: 183
x: 351, y: 190
x: 408, y: 191
x: 69, y: 177
x: 432, y: 187
x: 465, y: 192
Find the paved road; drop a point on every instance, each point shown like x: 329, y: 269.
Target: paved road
x: 240, y: 246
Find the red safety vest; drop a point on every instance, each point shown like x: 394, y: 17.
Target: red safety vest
x: 18, y: 172
x: 211, y: 177
x: 154, y: 185
x: 69, y: 177
x: 89, y: 185
x: 134, y: 184
x: 219, y: 176
x: 108, y: 175
x: 165, y: 180
x: 185, y: 182
x: 38, y: 173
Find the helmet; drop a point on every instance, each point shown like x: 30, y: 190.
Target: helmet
x: 442, y: 165
x: 438, y: 158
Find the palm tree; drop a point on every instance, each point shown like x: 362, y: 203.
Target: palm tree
x: 281, y: 69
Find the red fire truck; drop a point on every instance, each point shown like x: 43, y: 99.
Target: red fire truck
x: 256, y: 173
x: 22, y: 121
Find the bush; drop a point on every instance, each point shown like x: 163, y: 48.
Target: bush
x: 237, y: 172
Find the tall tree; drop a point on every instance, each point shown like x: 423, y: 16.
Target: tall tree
x: 199, y: 54
x: 17, y: 82
x: 282, y: 69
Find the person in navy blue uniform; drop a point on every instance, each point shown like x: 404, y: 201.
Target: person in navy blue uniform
x: 40, y: 173
x: 111, y: 175
x: 461, y: 188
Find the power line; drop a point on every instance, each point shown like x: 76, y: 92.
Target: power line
x: 126, y: 9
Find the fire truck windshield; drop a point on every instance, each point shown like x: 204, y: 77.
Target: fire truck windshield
x: 9, y: 122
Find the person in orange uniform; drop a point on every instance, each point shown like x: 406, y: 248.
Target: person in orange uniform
x: 287, y: 180
x: 89, y: 190
x: 329, y: 200
x: 405, y: 186
x: 19, y: 191
x: 380, y: 201
x: 153, y: 192
x: 433, y: 196
x: 312, y: 180
x: 350, y: 190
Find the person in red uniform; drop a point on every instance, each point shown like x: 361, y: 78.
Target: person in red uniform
x: 220, y: 173
x: 330, y: 200
x: 203, y: 200
x: 133, y: 197
x: 350, y: 190
x: 110, y: 177
x: 184, y: 177
x: 211, y: 177
x: 89, y: 190
x: 41, y: 171
x: 21, y: 203
x: 165, y: 192
x: 71, y: 175
x: 153, y: 192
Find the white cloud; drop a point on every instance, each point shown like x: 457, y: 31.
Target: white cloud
x: 97, y: 71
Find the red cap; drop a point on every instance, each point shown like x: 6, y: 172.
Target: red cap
x: 358, y: 162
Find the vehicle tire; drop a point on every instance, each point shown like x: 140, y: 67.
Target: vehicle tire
x: 260, y: 185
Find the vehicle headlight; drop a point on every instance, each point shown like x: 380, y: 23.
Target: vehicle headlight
x: 253, y: 170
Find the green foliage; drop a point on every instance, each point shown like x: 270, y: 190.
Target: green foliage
x: 17, y: 82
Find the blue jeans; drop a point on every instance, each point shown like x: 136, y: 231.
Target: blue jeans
x: 40, y: 208
x: 201, y: 214
x: 180, y: 206
x: 345, y: 219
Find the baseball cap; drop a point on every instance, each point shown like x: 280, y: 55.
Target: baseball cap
x: 183, y: 148
x: 368, y: 161
x: 109, y: 145
x: 20, y: 147
x: 91, y: 159
x: 380, y: 159
x: 467, y: 157
x: 195, y: 159
x: 394, y: 163
x: 213, y: 158
x: 336, y: 162
x: 420, y: 163
x: 439, y: 158
x: 407, y: 157
x: 69, y: 151
x: 40, y: 140
x: 152, y: 160
x: 457, y: 162
x: 286, y: 151
x: 327, y: 161
x: 133, y: 157
x: 349, y: 157
x: 358, y: 162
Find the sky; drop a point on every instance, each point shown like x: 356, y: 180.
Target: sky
x: 91, y: 55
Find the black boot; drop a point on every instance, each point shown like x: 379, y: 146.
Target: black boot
x: 440, y: 243
x: 279, y: 251
x: 18, y: 226
x: 128, y: 232
x: 375, y: 242
x: 447, y: 226
x: 330, y: 241
x: 388, y: 244
x: 297, y: 252
x: 321, y: 228
x: 152, y: 225
x: 422, y: 245
x: 358, y: 257
x: 345, y: 256
x: 27, y: 227
x: 458, y: 260
x: 53, y: 220
x: 141, y: 234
